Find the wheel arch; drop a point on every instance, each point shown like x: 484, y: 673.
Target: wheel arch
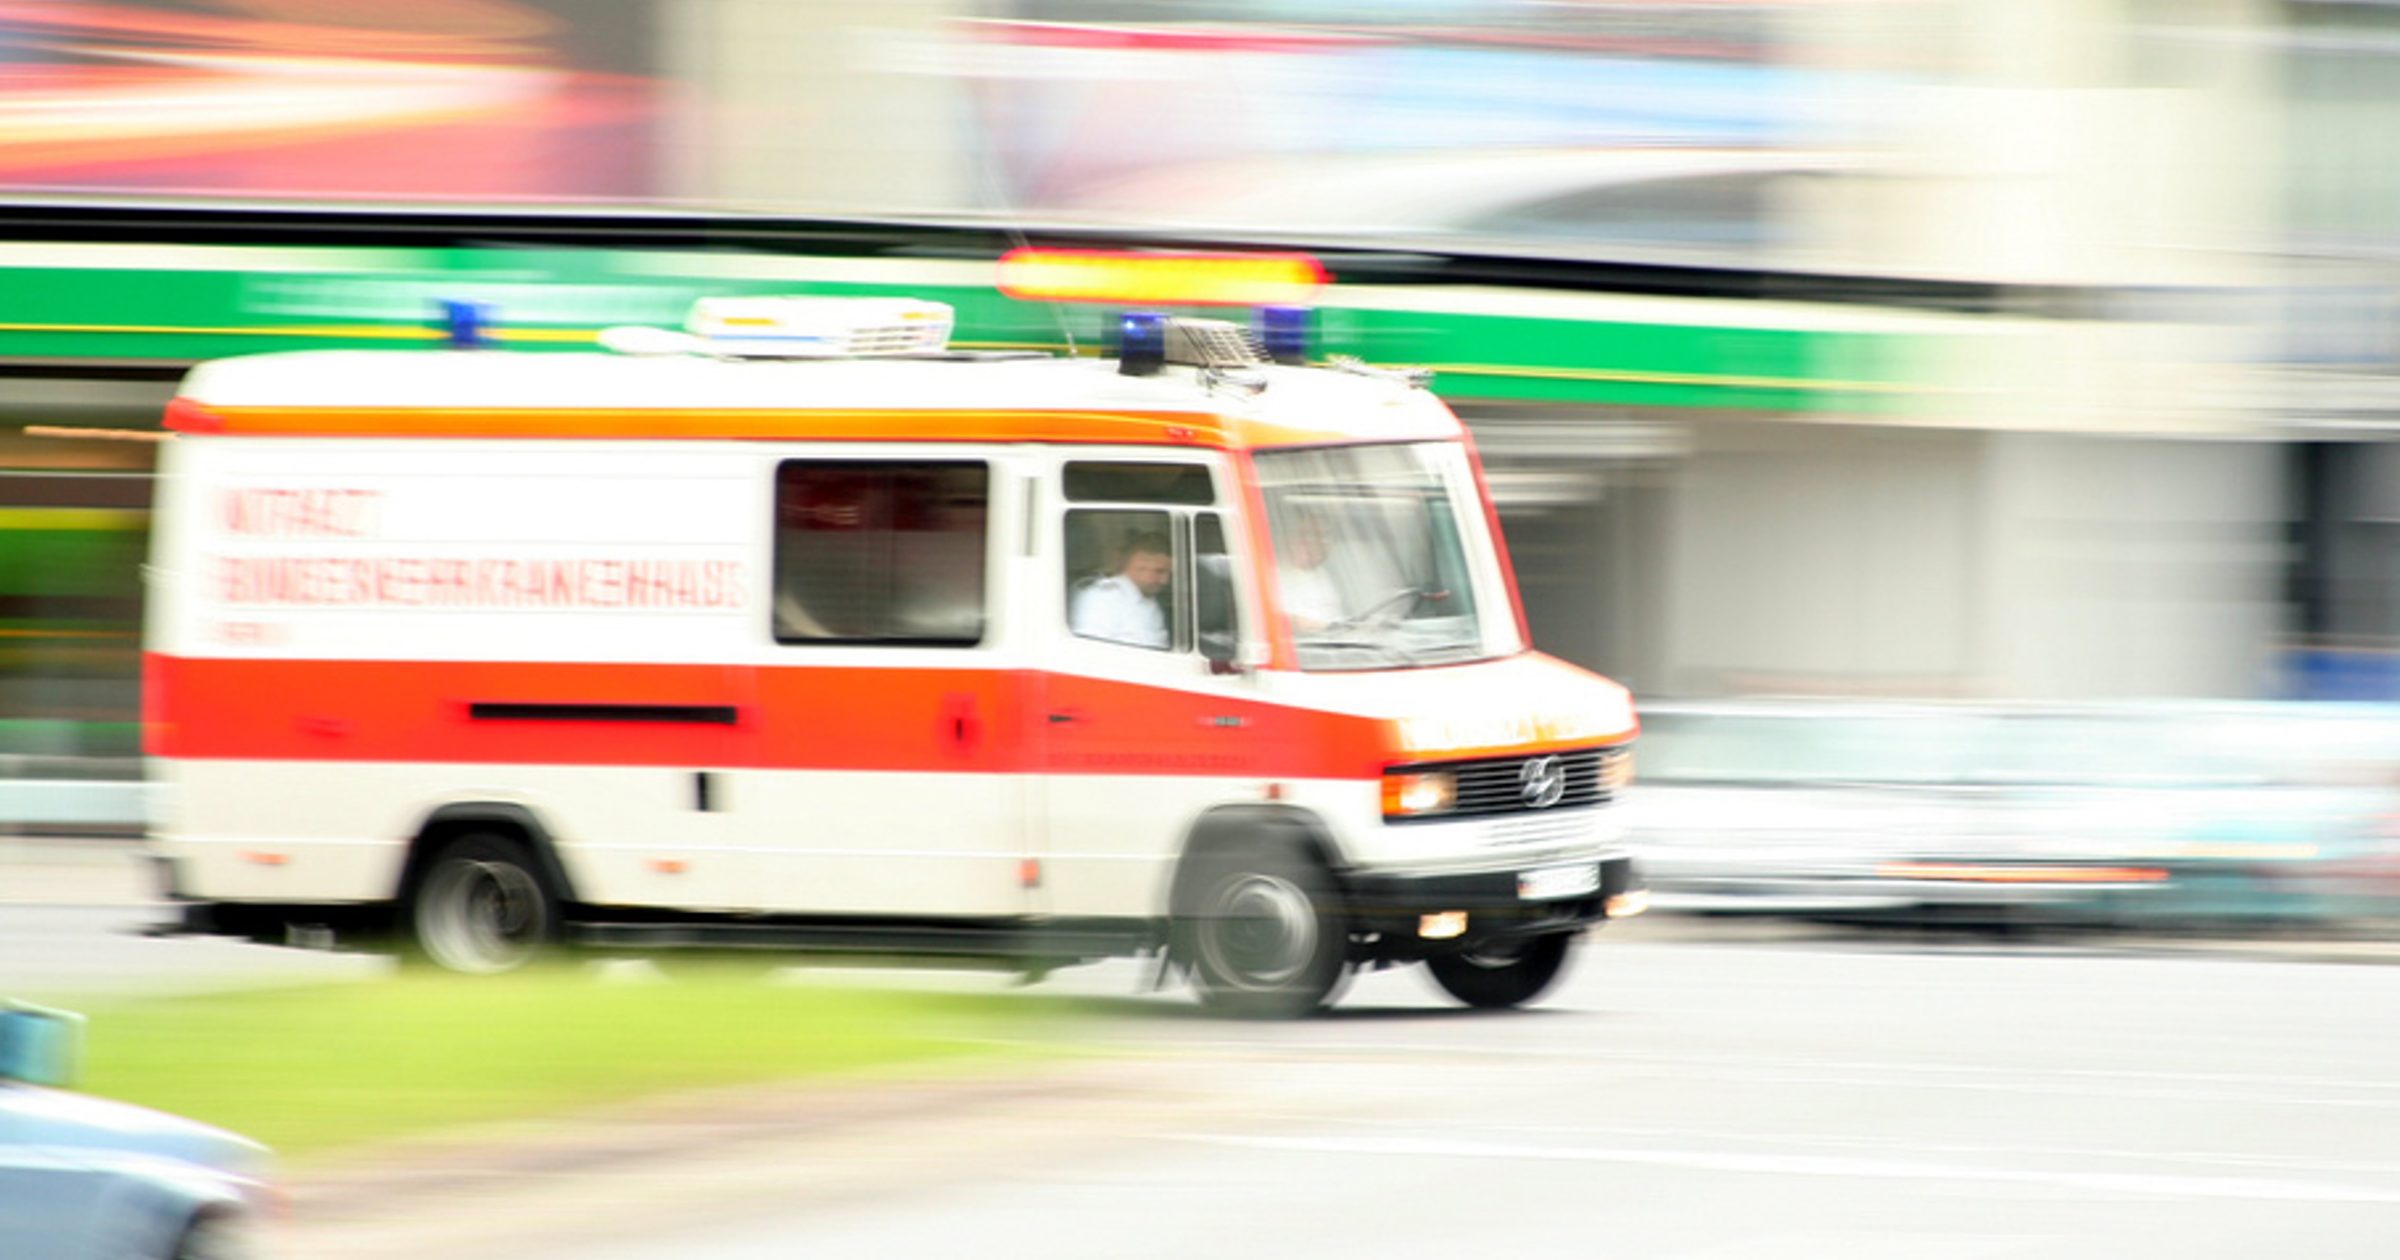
x: 1229, y: 828
x: 149, y: 1207
x: 510, y: 819
x: 225, y: 1210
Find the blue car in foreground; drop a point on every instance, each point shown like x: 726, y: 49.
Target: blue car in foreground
x: 84, y: 1178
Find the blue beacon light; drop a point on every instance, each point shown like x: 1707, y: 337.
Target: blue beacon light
x: 467, y: 324
x: 1142, y: 343
x: 1284, y: 330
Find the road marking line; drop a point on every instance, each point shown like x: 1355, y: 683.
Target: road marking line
x: 2155, y: 1185
x: 1843, y: 1072
x: 2218, y: 1159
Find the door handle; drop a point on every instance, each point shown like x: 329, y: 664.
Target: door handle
x: 1063, y: 716
x: 960, y: 722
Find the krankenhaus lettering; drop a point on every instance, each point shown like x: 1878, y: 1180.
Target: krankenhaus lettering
x: 449, y: 582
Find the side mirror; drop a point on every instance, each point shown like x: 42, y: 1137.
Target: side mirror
x: 1222, y: 650
x: 38, y: 1045
x: 1219, y: 629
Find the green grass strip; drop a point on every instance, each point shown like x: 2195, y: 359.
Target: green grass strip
x: 314, y: 1069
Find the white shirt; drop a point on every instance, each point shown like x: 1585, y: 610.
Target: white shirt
x: 1113, y: 608
x: 1310, y: 597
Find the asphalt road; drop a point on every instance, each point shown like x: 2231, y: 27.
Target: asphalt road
x: 71, y: 917
x: 1703, y: 1102
x: 1680, y: 1096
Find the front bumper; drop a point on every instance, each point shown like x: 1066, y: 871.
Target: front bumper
x: 1391, y: 908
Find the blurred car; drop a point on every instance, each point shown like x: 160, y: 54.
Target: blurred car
x: 2148, y: 814
x: 1797, y: 808
x: 84, y: 1178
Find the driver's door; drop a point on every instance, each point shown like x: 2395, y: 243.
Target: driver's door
x: 1139, y: 740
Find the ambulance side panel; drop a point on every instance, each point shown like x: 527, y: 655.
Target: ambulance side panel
x: 346, y: 635
x: 883, y: 767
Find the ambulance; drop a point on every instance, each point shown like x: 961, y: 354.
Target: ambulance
x: 798, y: 628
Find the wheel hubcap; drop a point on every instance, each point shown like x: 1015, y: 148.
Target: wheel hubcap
x: 1261, y: 932
x: 486, y: 916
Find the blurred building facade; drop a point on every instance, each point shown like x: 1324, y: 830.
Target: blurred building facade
x: 2124, y: 485
x: 2098, y: 498
x: 2007, y: 348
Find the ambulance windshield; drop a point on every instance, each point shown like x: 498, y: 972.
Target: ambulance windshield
x: 1381, y: 558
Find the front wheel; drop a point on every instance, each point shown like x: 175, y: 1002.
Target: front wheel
x: 1262, y: 938
x: 483, y: 907
x: 217, y: 1235
x: 1498, y: 974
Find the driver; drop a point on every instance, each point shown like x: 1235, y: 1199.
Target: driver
x: 1311, y: 599
x: 1123, y: 607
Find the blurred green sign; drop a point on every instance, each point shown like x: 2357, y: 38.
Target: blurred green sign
x: 123, y: 304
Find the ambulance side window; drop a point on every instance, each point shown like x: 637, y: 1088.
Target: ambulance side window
x: 884, y: 552
x: 1121, y: 577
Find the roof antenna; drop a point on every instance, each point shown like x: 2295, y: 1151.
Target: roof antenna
x: 1058, y: 312
x: 1015, y: 230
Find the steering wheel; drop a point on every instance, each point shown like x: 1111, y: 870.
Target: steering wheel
x: 1391, y: 608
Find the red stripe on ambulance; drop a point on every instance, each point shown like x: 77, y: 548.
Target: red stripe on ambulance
x: 780, y: 717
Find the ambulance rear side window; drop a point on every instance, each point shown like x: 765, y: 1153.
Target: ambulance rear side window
x: 884, y: 552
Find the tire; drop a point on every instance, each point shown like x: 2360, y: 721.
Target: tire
x: 1262, y: 937
x: 483, y: 907
x: 1502, y: 975
x: 219, y: 1235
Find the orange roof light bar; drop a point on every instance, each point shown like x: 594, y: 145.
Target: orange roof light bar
x: 1140, y: 278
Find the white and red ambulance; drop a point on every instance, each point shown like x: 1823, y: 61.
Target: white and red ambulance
x: 797, y: 628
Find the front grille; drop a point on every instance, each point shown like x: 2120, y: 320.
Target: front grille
x: 1497, y: 786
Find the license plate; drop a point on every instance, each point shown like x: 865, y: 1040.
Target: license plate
x: 1554, y: 882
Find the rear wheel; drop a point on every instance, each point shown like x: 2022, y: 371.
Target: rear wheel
x: 1502, y: 974
x: 1261, y: 935
x: 483, y: 907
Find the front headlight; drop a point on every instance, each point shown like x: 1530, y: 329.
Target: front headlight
x: 1616, y: 770
x: 1416, y: 794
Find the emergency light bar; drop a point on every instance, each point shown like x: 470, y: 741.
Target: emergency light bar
x: 1148, y: 340
x: 819, y: 328
x: 795, y: 328
x: 1283, y: 333
x: 466, y: 325
x: 1141, y: 343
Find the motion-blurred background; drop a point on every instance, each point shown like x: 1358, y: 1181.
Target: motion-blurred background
x: 2003, y: 387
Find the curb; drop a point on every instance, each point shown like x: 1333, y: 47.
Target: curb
x: 639, y: 1130
x: 702, y: 1158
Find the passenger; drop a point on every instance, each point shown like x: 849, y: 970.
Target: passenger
x: 1123, y: 607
